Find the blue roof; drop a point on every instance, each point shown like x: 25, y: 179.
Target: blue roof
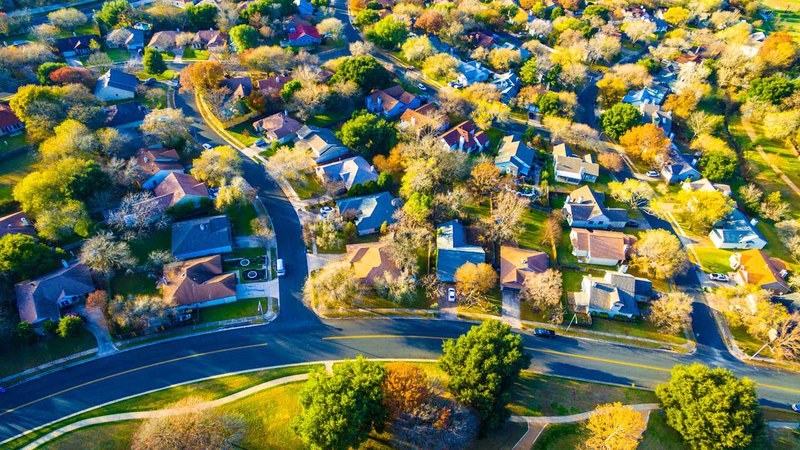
x: 646, y: 95
x: 453, y: 251
x: 373, y: 210
x: 736, y: 228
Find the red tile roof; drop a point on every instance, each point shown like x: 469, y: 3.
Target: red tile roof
x: 7, y: 116
x: 302, y: 30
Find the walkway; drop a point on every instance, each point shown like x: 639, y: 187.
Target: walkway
x: 96, y: 324
x: 753, y: 138
x: 510, y: 311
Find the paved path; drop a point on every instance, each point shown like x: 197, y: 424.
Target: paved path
x: 96, y: 324
x: 510, y: 310
x: 752, y: 135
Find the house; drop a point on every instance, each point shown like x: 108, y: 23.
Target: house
x: 615, y: 294
x: 321, y: 142
x: 180, y: 189
x: 278, y: 127
x: 466, y: 137
x: 472, y: 72
x: 514, y: 157
x: 737, y: 232
x: 210, y: 40
x: 41, y: 299
x: 371, y: 262
x: 128, y: 38
x: 76, y: 45
x: 240, y: 87
x: 273, y: 85
x: 350, y: 172
x: 648, y: 95
x: 517, y: 263
x: 705, y: 185
x: 124, y: 115
x: 453, y: 251
x: 756, y: 268
x: 652, y: 113
x: 584, y: 208
x: 305, y: 35
x: 573, y: 169
x: 391, y: 102
x: 508, y: 84
x: 164, y: 41
x: 183, y: 4
x: 116, y: 85
x: 426, y: 118
x: 371, y: 211
x: 9, y: 122
x: 16, y: 223
x: 154, y: 164
x: 680, y: 169
x: 304, y: 7
x: 293, y: 22
x: 478, y: 39
x: 198, y: 282
x: 201, y: 237
x: 600, y: 247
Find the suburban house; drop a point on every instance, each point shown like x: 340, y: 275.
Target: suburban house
x: 371, y: 262
x: 210, y: 40
x: 164, y: 41
x: 124, y: 115
x: 240, y: 87
x: 9, y: 122
x: 478, y: 39
x: 585, y: 208
x: 183, y: 4
x: 321, y: 142
x: 737, y: 232
x: 756, y: 268
x: 154, y: 164
x: 705, y: 185
x: 273, y: 85
x: 680, y: 168
x: 201, y: 237
x: 293, y: 22
x: 517, y: 263
x: 615, y: 294
x: 472, y: 72
x: 648, y: 95
x: 128, y: 38
x: 508, y: 84
x: 116, y: 85
x: 304, y: 7
x: 198, y: 282
x: 350, y: 172
x: 514, y: 157
x: 371, y: 211
x: 573, y: 169
x: 75, y: 45
x: 279, y: 127
x: 16, y: 223
x: 41, y: 299
x: 179, y: 189
x: 600, y: 247
x: 652, y: 113
x: 453, y: 251
x: 391, y: 102
x: 425, y: 118
x: 465, y: 137
x: 305, y: 35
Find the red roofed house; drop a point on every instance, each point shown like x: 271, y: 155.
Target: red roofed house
x: 305, y: 35
x: 517, y: 263
x: 278, y: 127
x: 273, y: 85
x: 198, y: 282
x: 155, y: 164
x: 392, y: 102
x: 9, y: 122
x: 181, y: 188
x: 16, y: 223
x: 466, y: 137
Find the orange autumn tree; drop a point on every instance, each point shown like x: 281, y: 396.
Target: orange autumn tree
x: 405, y: 389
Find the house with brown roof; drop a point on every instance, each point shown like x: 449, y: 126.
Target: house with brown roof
x: 210, y: 40
x: 279, y: 127
x: 164, y: 40
x: 756, y: 268
x: 585, y: 208
x: 518, y: 263
x: 16, y: 223
x: 154, y: 164
x: 392, y: 102
x: 273, y: 85
x: 426, y: 118
x: 240, y: 87
x: 198, y: 282
x: 9, y: 122
x: 42, y: 299
x: 465, y: 137
x: 180, y: 189
x: 371, y: 262
x: 600, y: 247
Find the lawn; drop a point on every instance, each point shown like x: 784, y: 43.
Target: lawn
x: 190, y: 53
x: 8, y: 143
x: 309, y: 187
x: 244, y: 133
x: 640, y: 328
x: 110, y: 436
x: 13, y: 170
x: 494, y: 307
x: 714, y: 259
x: 166, y: 76
x: 327, y: 118
x: 158, y: 100
x: 747, y: 343
x: 17, y: 355
x: 659, y: 435
x: 532, y: 222
x: 565, y: 436
x: 118, y: 54
x: 156, y: 240
x: 240, y: 217
x: 235, y: 310
x: 133, y: 284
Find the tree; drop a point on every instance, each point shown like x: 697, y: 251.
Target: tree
x: 405, y: 389
x: 787, y: 343
x: 619, y: 119
x: 710, y: 408
x: 153, y: 62
x: 218, y: 166
x: 473, y: 282
x: 502, y: 59
x: 202, y: 16
x: 485, y: 181
x: 430, y: 22
x: 548, y: 104
x: 104, y: 254
x: 611, y: 90
x: 632, y: 191
x: 72, y: 75
x: 45, y: 69
x: 676, y: 15
x: 168, y: 126
x: 45, y: 32
x: 543, y: 290
x: 69, y: 326
x: 505, y: 221
x: 771, y: 89
x: 236, y: 192
x: 291, y: 165
x: 97, y: 299
x: 702, y: 209
x: 418, y: 48
x: 334, y: 286
x: 648, y: 143
x: 551, y: 234
x: 658, y: 253
x: 611, y: 161
x: 67, y: 19
x: 388, y: 32
x: 368, y: 134
x: 99, y: 61
x: 773, y: 207
x: 137, y: 214
x: 244, y: 37
x: 751, y: 195
x: 778, y: 51
x: 139, y: 312
x: 703, y: 123
x: 24, y: 258
x: 614, y: 427
x: 332, y: 27
x: 190, y: 427
x: 719, y: 164
x: 366, y: 18
x: 483, y: 365
x: 341, y: 409
x: 639, y: 30
x: 201, y: 76
x: 440, y: 66
x: 365, y: 71
x: 670, y: 312
x: 529, y: 72
x: 113, y: 13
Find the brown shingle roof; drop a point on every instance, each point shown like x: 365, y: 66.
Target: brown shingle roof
x: 601, y: 244
x: 197, y: 280
x: 38, y: 299
x: 370, y: 261
x: 180, y: 185
x: 517, y: 263
x: 152, y: 161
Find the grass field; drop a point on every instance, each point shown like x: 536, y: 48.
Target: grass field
x: 111, y: 436
x: 12, y: 171
x: 235, y: 310
x: 244, y: 133
x: 17, y: 355
x: 133, y: 284
x: 309, y: 187
x: 190, y: 53
x: 240, y: 217
x: 714, y: 259
x: 8, y: 143
x: 156, y: 240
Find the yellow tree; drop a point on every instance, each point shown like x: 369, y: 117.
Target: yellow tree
x: 474, y: 281
x: 218, y: 166
x: 614, y: 427
x: 646, y: 142
x: 405, y: 389
x: 485, y: 181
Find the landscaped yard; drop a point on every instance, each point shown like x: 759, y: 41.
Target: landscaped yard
x: 328, y: 118
x: 244, y: 133
x: 240, y: 217
x: 13, y: 170
x: 17, y: 355
x: 166, y: 76
x: 133, y: 284
x: 8, y: 143
x: 714, y: 259
x: 190, y: 53
x: 156, y: 240
x: 235, y: 310
x: 640, y: 328
x: 309, y: 187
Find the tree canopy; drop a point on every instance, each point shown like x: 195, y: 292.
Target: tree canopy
x: 153, y: 62
x: 24, y: 258
x: 244, y: 37
x: 368, y: 134
x: 619, y: 119
x: 388, y: 32
x: 365, y: 71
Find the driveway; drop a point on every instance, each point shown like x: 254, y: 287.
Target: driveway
x: 256, y: 290
x: 511, y: 311
x: 96, y: 324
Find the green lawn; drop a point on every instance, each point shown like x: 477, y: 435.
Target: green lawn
x: 641, y: 328
x: 8, y: 143
x: 158, y: 101
x: 565, y: 436
x: 532, y: 222
x: 17, y: 355
x: 747, y: 343
x: 166, y: 76
x: 133, y: 284
x: 659, y: 435
x: 190, y: 53
x: 244, y: 133
x: 240, y: 217
x: 309, y: 187
x: 494, y: 307
x: 235, y: 310
x: 110, y: 436
x: 328, y: 118
x: 12, y: 171
x: 156, y: 240
x: 118, y: 54
x: 714, y: 259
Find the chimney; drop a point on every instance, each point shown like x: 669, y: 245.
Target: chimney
x: 413, y: 121
x: 753, y: 221
x: 580, y: 199
x: 278, y: 79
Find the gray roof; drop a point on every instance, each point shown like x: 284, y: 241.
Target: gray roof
x: 513, y: 151
x: 118, y: 79
x: 72, y: 43
x: 616, y: 287
x: 38, y: 299
x: 453, y: 251
x: 198, y: 235
x: 124, y: 113
x: 373, y: 210
x: 679, y: 168
x: 350, y: 171
x: 736, y: 229
x: 324, y: 145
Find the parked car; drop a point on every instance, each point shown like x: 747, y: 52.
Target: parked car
x: 652, y: 173
x: 422, y: 86
x: 632, y: 224
x: 451, y: 295
x: 718, y: 277
x: 326, y: 209
x: 149, y: 81
x: 207, y: 146
x: 544, y: 333
x: 260, y: 143
x: 796, y: 407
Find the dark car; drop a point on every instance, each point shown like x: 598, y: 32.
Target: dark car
x: 544, y: 332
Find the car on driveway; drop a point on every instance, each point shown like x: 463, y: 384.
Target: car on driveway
x: 207, y: 146
x: 149, y: 81
x: 718, y: 277
x: 544, y: 333
x: 652, y: 173
x: 451, y: 295
x: 422, y: 86
x: 260, y: 143
x: 796, y: 407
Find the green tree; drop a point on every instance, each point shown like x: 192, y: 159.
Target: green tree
x: 113, y: 13
x: 365, y: 71
x: 366, y: 18
x: 418, y: 207
x: 619, y: 119
x: 710, y: 408
x: 650, y: 64
x: 388, y: 33
x: 368, y: 134
x: 25, y: 331
x: 718, y: 165
x: 69, y: 326
x: 483, y: 366
x: 202, y: 17
x: 548, y: 104
x: 342, y: 408
x: 24, y: 258
x: 596, y: 10
x: 771, y: 89
x: 244, y: 37
x: 153, y: 62
x: 44, y: 71
x: 288, y: 90
x: 529, y: 72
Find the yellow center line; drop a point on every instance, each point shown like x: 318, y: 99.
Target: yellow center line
x: 136, y: 369
x: 594, y: 358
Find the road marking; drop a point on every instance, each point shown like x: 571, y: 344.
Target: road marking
x: 779, y: 388
x: 594, y: 358
x: 136, y: 369
x: 382, y: 336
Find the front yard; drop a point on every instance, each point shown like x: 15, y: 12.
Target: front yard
x: 308, y: 187
x: 13, y: 170
x: 17, y: 355
x: 235, y: 310
x: 244, y: 133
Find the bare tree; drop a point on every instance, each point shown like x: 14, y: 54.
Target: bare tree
x: 787, y: 343
x: 671, y: 312
x: 262, y: 229
x: 291, y: 165
x: 139, y: 312
x: 505, y: 222
x: 105, y: 254
x: 552, y: 233
x: 543, y: 290
x: 138, y: 213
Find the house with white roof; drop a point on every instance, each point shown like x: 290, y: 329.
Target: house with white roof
x: 572, y: 169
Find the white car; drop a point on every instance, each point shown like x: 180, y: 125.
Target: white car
x: 718, y: 277
x: 652, y: 173
x: 451, y: 295
x: 207, y: 146
x: 422, y: 86
x: 326, y: 209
